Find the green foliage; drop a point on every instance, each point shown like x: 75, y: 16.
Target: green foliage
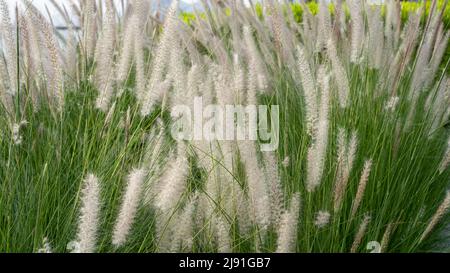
x: 187, y: 17
x: 313, y: 7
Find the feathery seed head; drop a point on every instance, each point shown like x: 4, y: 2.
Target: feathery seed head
x: 287, y: 231
x: 362, y: 185
x: 360, y: 234
x: 173, y: 181
x: 445, y: 159
x: 440, y: 212
x: 89, y: 215
x: 322, y: 218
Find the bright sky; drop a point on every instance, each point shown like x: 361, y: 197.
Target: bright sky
x: 41, y: 4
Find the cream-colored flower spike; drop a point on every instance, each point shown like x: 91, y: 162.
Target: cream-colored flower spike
x: 7, y: 33
x: 104, y: 60
x: 89, y: 215
x: 129, y: 206
x: 440, y: 212
x: 446, y: 159
x: 287, y: 232
x: 360, y: 234
x: 322, y: 218
x: 161, y: 59
x: 317, y: 151
x: 173, y: 181
x: 362, y: 186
